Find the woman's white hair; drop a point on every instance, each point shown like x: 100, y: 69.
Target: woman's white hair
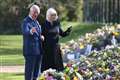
x: 49, y: 12
x: 35, y: 7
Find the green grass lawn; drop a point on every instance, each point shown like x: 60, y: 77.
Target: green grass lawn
x: 11, y: 76
x: 11, y: 45
x: 11, y: 50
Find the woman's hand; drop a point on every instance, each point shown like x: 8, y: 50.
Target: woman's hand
x: 69, y: 29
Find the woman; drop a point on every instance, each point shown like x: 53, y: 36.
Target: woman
x: 51, y: 30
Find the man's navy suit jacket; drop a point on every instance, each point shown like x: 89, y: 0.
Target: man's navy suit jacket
x: 31, y: 42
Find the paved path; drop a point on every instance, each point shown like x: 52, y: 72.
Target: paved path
x: 11, y: 69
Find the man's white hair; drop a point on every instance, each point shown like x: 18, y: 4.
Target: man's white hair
x: 35, y: 7
x: 49, y: 12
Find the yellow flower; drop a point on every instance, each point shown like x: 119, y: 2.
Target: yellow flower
x: 42, y: 78
x: 66, y: 77
x: 81, y: 46
x: 75, y: 78
x: 116, y: 33
x: 106, y: 69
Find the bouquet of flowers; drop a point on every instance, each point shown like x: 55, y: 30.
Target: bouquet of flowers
x: 103, y: 64
x: 99, y: 65
x: 52, y: 74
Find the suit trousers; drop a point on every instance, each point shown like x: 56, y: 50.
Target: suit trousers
x: 32, y: 67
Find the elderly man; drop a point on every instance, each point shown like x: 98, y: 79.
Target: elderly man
x: 32, y: 49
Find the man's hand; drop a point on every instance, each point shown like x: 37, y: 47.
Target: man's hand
x: 42, y: 38
x: 33, y: 30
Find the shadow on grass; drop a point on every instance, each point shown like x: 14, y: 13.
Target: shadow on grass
x: 19, y: 74
x: 6, y: 51
x: 11, y: 76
